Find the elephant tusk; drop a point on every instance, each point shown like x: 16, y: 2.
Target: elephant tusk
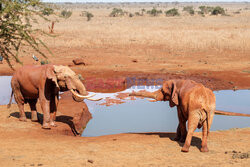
x: 80, y: 96
x: 95, y: 99
x: 84, y: 97
x: 152, y: 100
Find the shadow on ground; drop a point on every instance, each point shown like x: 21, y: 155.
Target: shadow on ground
x: 62, y: 118
x: 195, y: 140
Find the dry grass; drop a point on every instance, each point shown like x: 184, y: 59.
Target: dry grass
x: 185, y: 34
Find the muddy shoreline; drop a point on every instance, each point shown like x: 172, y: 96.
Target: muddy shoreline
x: 112, y: 81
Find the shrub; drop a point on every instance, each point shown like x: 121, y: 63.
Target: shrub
x: 66, y: 14
x: 205, y: 9
x: 218, y: 10
x: 172, y: 12
x: 87, y: 14
x: 189, y: 9
x: 137, y: 14
x: 154, y: 12
x: 47, y: 11
x: 130, y: 15
x: 116, y: 12
x: 143, y: 11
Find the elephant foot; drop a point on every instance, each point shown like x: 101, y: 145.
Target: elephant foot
x: 34, y: 120
x: 34, y: 116
x: 53, y: 124
x: 204, y: 149
x: 185, y: 149
x: 46, y: 126
x: 24, y: 119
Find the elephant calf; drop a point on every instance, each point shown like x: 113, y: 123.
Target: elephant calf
x: 194, y: 102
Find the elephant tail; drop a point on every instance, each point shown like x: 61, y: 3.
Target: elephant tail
x: 8, y: 106
x: 208, y: 122
x: 218, y: 112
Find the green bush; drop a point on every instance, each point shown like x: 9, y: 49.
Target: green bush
x: 47, y: 11
x: 137, y: 14
x: 154, y: 12
x: 205, y: 9
x: 189, y: 9
x: 143, y: 11
x: 66, y: 14
x: 87, y: 14
x: 172, y: 12
x: 116, y: 12
x: 218, y: 10
x: 131, y: 15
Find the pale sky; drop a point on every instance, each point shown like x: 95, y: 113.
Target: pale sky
x: 146, y: 0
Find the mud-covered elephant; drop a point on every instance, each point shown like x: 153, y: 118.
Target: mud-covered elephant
x: 30, y: 83
x: 195, y: 104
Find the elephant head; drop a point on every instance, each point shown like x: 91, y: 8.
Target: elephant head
x: 168, y: 92
x: 66, y: 79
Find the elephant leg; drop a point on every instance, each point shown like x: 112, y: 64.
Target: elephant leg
x: 32, y: 104
x: 178, y: 133
x: 22, y: 116
x: 204, y: 137
x: 181, y: 132
x: 46, y: 114
x: 19, y: 99
x: 53, y: 109
x: 193, y: 120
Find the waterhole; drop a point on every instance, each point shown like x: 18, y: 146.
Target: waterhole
x: 113, y: 115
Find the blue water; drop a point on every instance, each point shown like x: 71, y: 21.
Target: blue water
x: 141, y: 115
x: 5, y: 89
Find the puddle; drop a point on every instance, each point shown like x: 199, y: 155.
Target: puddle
x: 5, y: 89
x: 140, y: 115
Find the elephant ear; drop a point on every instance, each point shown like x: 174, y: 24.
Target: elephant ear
x: 174, y: 96
x: 50, y: 74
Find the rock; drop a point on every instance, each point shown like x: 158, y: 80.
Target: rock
x: 134, y: 61
x: 90, y: 161
x: 74, y: 115
x: 79, y: 61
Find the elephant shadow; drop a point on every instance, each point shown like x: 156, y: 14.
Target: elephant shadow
x: 28, y: 116
x: 62, y: 118
x: 196, y: 141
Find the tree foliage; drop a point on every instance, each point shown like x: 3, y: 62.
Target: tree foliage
x: 154, y: 12
x: 16, y: 20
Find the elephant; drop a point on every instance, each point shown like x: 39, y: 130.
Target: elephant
x: 43, y: 82
x: 195, y: 104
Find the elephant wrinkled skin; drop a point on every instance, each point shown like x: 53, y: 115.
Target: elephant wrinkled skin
x: 30, y: 83
x: 194, y: 102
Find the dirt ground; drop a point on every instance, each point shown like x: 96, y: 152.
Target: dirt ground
x: 213, y: 50
x: 26, y: 144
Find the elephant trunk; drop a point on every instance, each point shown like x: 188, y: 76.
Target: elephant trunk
x: 82, y: 92
x: 152, y: 95
x: 81, y: 88
x: 218, y: 112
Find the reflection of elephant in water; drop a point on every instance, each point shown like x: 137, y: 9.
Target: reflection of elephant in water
x: 30, y: 83
x: 194, y: 102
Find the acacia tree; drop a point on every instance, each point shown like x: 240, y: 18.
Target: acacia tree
x: 16, y: 19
